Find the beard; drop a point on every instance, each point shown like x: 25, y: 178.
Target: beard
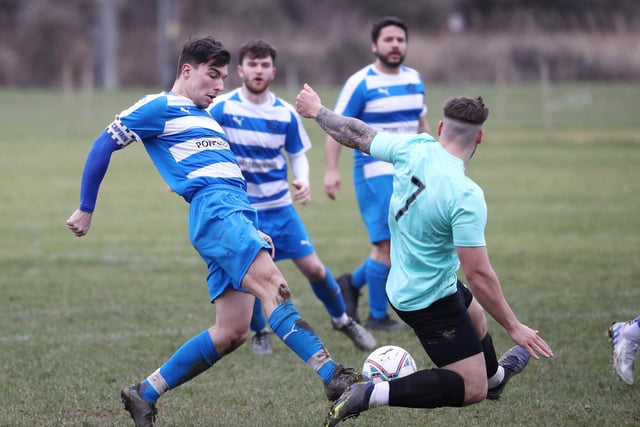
x: 391, y: 64
x: 256, y: 89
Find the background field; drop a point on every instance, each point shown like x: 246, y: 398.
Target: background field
x: 81, y: 318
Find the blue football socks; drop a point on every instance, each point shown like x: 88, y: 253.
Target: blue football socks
x: 194, y: 357
x: 377, y: 273
x: 258, y: 321
x: 359, y: 276
x: 328, y: 292
x: 298, y: 335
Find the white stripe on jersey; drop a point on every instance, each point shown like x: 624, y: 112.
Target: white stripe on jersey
x: 266, y: 188
x: 393, y: 103
x: 184, y: 123
x: 377, y: 168
x: 218, y: 170
x: 252, y: 165
x: 182, y: 150
x: 249, y: 138
x: 278, y: 203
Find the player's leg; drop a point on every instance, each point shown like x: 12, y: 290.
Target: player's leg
x: 265, y: 281
x: 459, y: 379
x: 213, y: 240
x: 261, y: 339
x: 625, y: 342
x: 324, y: 286
x: 233, y: 310
x: 350, y: 290
x: 373, y: 196
x: 326, y: 289
x: 292, y: 242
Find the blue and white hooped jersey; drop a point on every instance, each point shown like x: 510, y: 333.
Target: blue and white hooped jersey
x: 387, y: 102
x: 187, y: 146
x: 259, y: 136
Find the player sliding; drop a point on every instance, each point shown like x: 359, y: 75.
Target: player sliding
x: 437, y: 218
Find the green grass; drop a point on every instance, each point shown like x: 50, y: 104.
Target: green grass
x: 81, y: 318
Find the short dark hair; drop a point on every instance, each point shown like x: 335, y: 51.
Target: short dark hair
x: 467, y: 110
x: 257, y: 49
x: 204, y: 51
x: 386, y: 21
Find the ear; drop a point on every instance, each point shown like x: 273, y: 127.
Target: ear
x: 374, y: 48
x: 186, y: 70
x: 440, y: 124
x: 239, y: 70
x: 479, y: 136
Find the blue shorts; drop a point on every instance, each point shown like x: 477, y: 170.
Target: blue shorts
x: 223, y: 229
x: 373, y: 196
x: 287, y: 231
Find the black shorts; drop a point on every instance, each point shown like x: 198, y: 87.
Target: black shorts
x: 444, y: 328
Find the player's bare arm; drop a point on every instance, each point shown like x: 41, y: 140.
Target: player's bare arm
x: 350, y: 132
x: 485, y: 286
x: 347, y: 131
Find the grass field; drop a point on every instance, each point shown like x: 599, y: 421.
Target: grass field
x: 81, y: 318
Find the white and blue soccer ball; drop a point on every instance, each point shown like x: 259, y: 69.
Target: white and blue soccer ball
x: 387, y: 363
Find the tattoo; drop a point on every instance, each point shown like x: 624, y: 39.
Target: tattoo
x: 350, y: 132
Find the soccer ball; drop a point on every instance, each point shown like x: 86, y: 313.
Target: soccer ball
x: 387, y: 363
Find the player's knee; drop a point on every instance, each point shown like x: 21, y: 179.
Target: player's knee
x: 316, y: 272
x: 237, y: 339
x: 475, y: 392
x: 478, y: 317
x: 278, y: 288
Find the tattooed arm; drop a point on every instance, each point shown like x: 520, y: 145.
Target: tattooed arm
x: 350, y: 132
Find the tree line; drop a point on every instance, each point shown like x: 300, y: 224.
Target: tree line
x: 78, y: 43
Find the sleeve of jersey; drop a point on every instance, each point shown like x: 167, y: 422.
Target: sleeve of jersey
x: 392, y: 147
x: 216, y: 110
x: 300, y: 167
x: 469, y: 220
x: 296, y: 140
x: 352, y: 98
x: 94, y: 170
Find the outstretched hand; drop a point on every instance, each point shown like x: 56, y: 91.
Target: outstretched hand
x: 529, y: 339
x: 308, y: 102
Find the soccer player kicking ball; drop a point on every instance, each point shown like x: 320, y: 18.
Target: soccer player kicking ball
x: 192, y: 154
x: 437, y: 218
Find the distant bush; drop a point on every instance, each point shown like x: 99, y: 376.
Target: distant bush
x: 57, y: 43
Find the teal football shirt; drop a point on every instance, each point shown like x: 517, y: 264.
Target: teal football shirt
x: 434, y: 208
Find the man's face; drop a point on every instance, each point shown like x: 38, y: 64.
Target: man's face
x: 391, y: 46
x: 256, y: 73
x: 204, y: 82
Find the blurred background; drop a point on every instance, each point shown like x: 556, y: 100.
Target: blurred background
x: 110, y: 44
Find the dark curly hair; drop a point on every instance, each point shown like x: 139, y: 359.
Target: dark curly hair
x: 468, y: 110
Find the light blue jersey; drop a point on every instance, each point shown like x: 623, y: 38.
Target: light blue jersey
x: 258, y: 134
x: 434, y: 208
x: 187, y: 146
